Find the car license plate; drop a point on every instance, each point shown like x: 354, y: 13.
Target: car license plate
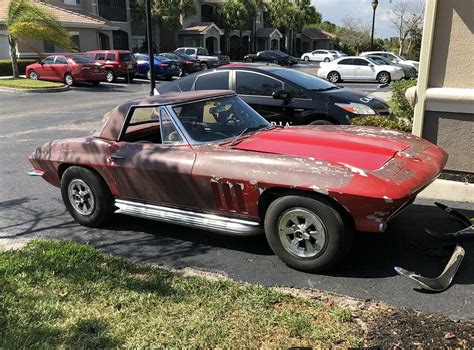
x: 129, y: 65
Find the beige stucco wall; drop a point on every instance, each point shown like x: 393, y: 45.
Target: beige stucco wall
x: 453, y: 45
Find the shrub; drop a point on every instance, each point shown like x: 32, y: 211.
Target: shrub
x: 383, y: 122
x: 6, y: 66
x: 398, y: 103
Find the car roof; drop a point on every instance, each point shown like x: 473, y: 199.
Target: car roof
x: 114, y: 124
x: 111, y: 51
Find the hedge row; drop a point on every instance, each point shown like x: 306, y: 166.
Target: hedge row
x: 383, y: 122
x: 6, y: 66
x: 399, y: 105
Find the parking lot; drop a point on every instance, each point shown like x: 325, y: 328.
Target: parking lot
x: 31, y: 208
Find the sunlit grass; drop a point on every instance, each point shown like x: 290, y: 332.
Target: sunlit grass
x: 28, y: 84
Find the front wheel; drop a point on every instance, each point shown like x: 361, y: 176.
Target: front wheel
x: 33, y: 75
x: 307, y: 234
x: 326, y: 60
x: 204, y: 66
x: 306, y: 58
x: 68, y: 79
x: 109, y: 76
x: 334, y: 77
x: 86, y: 196
x: 384, y: 78
x: 248, y: 60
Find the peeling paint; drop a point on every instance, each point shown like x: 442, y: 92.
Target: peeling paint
x: 354, y: 169
x: 319, y: 190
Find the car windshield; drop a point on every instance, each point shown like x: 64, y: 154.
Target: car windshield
x: 219, y: 119
x: 125, y: 57
x: 304, y: 80
x: 373, y: 61
x: 381, y: 60
x: 81, y: 60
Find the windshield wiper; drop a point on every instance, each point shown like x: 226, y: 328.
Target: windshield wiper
x: 252, y: 128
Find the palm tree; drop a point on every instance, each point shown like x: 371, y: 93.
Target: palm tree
x: 28, y: 20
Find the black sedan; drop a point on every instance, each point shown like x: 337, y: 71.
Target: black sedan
x: 284, y: 96
x: 187, y: 64
x: 271, y: 56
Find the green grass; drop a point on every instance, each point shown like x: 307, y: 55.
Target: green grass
x: 29, y: 84
x: 63, y: 294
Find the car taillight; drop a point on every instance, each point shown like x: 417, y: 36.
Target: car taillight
x: 164, y: 65
x: 187, y: 62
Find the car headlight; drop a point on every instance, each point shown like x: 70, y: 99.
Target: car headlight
x: 356, y: 108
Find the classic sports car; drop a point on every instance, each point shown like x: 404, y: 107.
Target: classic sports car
x: 206, y: 159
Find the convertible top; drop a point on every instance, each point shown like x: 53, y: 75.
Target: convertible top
x: 113, y: 126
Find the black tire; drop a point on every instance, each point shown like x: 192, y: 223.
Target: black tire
x: 320, y: 122
x: 33, y: 75
x: 275, y: 62
x: 327, y: 59
x: 68, y: 79
x: 306, y: 58
x: 204, y: 66
x: 384, y: 77
x: 110, y: 76
x: 103, y: 205
x: 334, y: 77
x: 338, y: 234
x: 248, y: 60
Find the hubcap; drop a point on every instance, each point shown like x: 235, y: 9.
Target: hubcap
x: 33, y: 76
x: 333, y: 78
x: 383, y: 78
x: 69, y: 80
x: 109, y: 76
x: 302, y: 233
x: 81, y: 197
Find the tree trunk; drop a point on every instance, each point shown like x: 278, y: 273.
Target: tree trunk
x: 12, y: 42
x: 240, y: 43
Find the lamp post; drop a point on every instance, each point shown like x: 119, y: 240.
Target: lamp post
x: 375, y: 3
x: 149, y: 35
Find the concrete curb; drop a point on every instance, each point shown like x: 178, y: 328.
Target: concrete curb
x: 45, y: 90
x: 453, y: 191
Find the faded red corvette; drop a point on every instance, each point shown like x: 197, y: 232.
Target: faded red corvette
x: 206, y: 159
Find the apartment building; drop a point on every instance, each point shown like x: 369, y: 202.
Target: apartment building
x: 93, y: 24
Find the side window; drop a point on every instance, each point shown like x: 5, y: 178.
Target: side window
x: 110, y: 57
x: 89, y: 56
x: 346, y: 61
x: 202, y: 52
x: 181, y: 51
x: 100, y: 56
x: 360, y: 62
x: 169, y: 134
x: 60, y: 60
x: 296, y: 91
x: 256, y: 84
x: 213, y: 81
x: 144, y: 126
x: 190, y: 51
x: 48, y: 60
x: 392, y: 58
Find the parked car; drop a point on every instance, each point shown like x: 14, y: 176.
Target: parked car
x: 117, y: 63
x: 187, y: 64
x: 207, y: 160
x: 164, y: 67
x: 319, y: 55
x: 409, y: 71
x: 359, y: 68
x: 67, y: 68
x: 200, y: 53
x: 284, y: 96
x: 271, y: 56
x: 393, y: 57
x: 338, y: 53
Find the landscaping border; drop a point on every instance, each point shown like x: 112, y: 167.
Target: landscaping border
x: 38, y: 90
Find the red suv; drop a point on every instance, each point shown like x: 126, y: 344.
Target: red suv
x: 67, y: 68
x: 117, y: 63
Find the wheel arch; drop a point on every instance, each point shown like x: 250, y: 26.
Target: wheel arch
x: 273, y: 193
x: 64, y: 166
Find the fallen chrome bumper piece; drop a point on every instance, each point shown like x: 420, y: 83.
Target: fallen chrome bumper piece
x: 443, y: 281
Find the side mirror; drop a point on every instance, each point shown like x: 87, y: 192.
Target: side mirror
x: 371, y: 65
x: 283, y: 95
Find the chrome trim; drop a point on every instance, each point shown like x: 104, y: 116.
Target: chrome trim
x: 210, y: 222
x: 35, y: 172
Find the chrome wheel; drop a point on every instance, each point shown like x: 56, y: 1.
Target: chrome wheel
x: 68, y: 79
x: 32, y: 75
x: 383, y: 77
x: 109, y: 76
x: 302, y: 233
x: 81, y: 197
x: 333, y: 77
x: 148, y: 74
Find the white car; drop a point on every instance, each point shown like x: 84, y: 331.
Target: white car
x: 338, y: 53
x: 319, y: 55
x: 393, y: 57
x: 359, y: 68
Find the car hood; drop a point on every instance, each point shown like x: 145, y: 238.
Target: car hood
x: 347, y: 95
x: 351, y: 146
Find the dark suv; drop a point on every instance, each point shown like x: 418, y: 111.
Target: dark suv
x: 117, y: 63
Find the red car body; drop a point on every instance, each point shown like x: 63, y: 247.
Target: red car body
x: 58, y: 67
x: 117, y: 63
x: 367, y: 174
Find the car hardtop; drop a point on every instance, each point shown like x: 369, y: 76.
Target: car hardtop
x: 116, y: 120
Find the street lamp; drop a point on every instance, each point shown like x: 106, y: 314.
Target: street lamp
x: 149, y: 35
x: 375, y: 3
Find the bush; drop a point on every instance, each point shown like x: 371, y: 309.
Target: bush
x: 398, y: 103
x: 383, y: 122
x: 6, y: 66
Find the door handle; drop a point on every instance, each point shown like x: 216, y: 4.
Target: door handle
x: 114, y: 158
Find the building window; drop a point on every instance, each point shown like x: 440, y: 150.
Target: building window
x: 104, y: 42
x: 207, y: 13
x: 75, y: 40
x: 138, y: 43
x: 48, y: 47
x: 120, y: 40
x: 113, y: 10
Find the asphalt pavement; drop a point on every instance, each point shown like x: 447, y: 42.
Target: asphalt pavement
x: 30, y: 208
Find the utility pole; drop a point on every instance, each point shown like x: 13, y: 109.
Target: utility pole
x: 149, y: 34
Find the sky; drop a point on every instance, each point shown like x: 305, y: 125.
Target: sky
x: 335, y: 10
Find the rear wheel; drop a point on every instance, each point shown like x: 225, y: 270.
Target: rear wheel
x: 33, y: 75
x: 326, y: 59
x: 307, y: 234
x: 248, y: 60
x: 334, y: 77
x: 109, y: 76
x: 306, y: 58
x: 68, y: 79
x: 384, y: 77
x: 86, y: 196
x: 204, y: 66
